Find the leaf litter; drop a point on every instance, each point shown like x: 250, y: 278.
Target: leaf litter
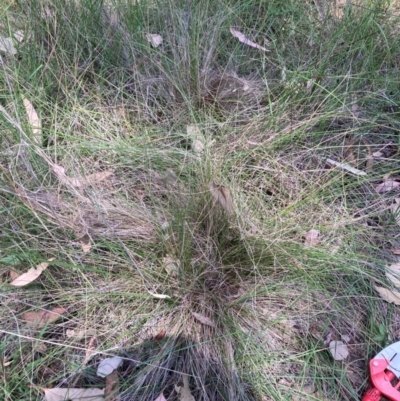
x: 387, y: 185
x: 338, y: 350
x: 223, y: 196
x: 108, y: 365
x: 31, y: 275
x: 160, y: 398
x: 73, y: 394
x: 242, y: 38
x: 312, y: 238
x: 203, y: 319
x: 34, y: 121
x: 111, y: 391
x: 41, y: 318
x: 393, y: 275
x: 184, y: 392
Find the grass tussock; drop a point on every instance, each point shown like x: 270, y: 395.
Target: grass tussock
x: 172, y: 187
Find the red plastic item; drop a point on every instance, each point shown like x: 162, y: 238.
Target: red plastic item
x: 385, y: 373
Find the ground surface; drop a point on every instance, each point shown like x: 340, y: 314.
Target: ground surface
x: 208, y: 190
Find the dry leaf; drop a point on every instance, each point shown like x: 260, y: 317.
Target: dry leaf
x: 312, y: 238
x: 95, y: 178
x: 345, y: 338
x: 346, y: 167
x: 7, y: 46
x: 284, y: 78
x: 154, y: 39
x: 13, y: 274
x: 108, y: 365
x: 394, y: 250
x: 388, y: 295
x: 111, y: 390
x: 222, y: 195
x: 339, y: 350
x: 171, y: 265
x: 159, y: 296
x: 198, y: 142
x: 393, y: 274
x: 160, y: 335
x: 242, y: 38
x: 79, y: 334
x: 85, y: 243
x: 34, y: 121
x: 31, y: 275
x: 395, y: 208
x: 19, y: 36
x: 387, y: 186
x: 160, y: 398
x: 203, y: 319
x: 90, y: 349
x: 184, y: 392
x: 73, y: 394
x: 41, y: 318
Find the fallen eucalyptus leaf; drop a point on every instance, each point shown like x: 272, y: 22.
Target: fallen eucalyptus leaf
x: 7, y: 46
x: 387, y: 186
x: 111, y: 391
x: 222, y: 195
x: 393, y: 274
x: 312, y: 238
x: 339, y: 350
x: 154, y: 39
x: 346, y: 167
x: 34, y: 121
x: 390, y: 296
x: 107, y: 366
x: 184, y: 392
x: 73, y: 394
x: 242, y: 38
x: 159, y: 296
x: 41, y: 318
x: 160, y: 398
x: 31, y: 275
x: 203, y: 319
x: 78, y: 335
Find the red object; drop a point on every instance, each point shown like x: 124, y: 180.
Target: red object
x: 385, y: 373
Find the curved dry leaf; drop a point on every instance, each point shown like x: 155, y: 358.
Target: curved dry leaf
x: 339, y: 350
x: 387, y: 186
x: 82, y: 181
x: 108, y: 365
x: 388, y: 295
x: 111, y: 391
x: 312, y: 238
x: 159, y: 296
x: 393, y: 274
x: 222, y: 195
x: 73, y: 394
x: 242, y: 38
x: 78, y: 335
x: 13, y: 274
x: 346, y: 167
x: 34, y: 121
x: 19, y: 36
x: 31, y: 275
x: 395, y: 208
x: 155, y: 39
x: 41, y: 318
x: 7, y: 46
x: 160, y: 398
x: 203, y: 319
x: 184, y: 392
